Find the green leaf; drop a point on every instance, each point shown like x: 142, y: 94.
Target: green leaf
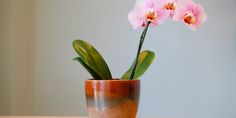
x: 93, y: 60
x: 144, y: 61
x: 90, y: 70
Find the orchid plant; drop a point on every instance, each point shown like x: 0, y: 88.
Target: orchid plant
x: 145, y: 13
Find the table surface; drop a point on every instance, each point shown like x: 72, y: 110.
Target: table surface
x: 48, y: 117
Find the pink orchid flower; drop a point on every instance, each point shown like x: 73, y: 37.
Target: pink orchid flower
x: 193, y: 15
x: 170, y: 5
x: 149, y: 10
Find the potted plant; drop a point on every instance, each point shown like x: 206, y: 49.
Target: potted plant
x: 109, y: 97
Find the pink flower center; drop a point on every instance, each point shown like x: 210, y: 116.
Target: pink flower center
x: 170, y: 6
x: 151, y: 15
x: 189, y: 18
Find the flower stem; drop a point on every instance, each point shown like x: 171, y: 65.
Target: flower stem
x: 139, y: 49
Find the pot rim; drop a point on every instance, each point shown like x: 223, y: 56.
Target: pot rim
x: 113, y: 80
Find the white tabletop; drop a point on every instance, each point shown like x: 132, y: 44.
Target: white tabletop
x: 46, y: 117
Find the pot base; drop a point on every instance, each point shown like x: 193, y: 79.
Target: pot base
x: 127, y: 109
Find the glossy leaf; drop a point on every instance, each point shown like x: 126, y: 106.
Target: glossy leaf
x: 144, y: 61
x: 91, y: 57
x: 90, y: 70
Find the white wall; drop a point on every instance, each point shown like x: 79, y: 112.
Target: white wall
x: 58, y: 81
x: 192, y: 76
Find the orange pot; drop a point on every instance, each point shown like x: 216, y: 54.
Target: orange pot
x: 112, y: 98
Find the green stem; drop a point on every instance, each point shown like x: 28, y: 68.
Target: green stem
x: 139, y: 49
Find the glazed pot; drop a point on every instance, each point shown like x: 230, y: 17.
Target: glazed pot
x: 112, y: 98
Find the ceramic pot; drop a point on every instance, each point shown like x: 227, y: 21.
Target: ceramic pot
x: 112, y: 98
